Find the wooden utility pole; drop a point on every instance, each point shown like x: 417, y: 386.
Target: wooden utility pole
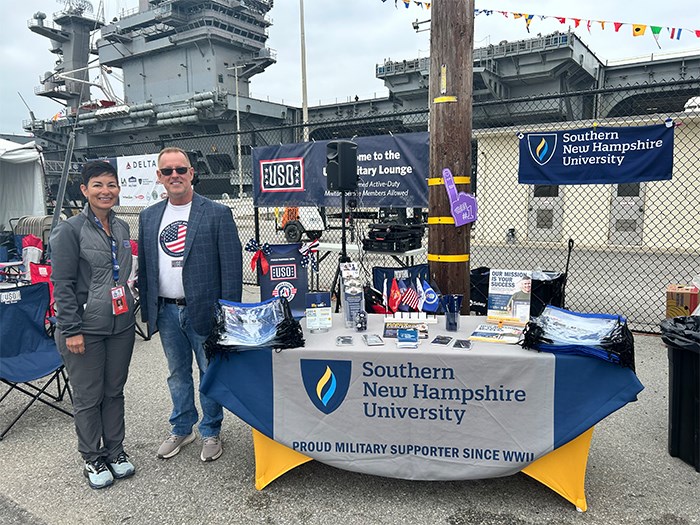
x: 450, y: 98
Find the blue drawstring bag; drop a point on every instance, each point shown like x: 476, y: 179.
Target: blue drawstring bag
x: 251, y: 326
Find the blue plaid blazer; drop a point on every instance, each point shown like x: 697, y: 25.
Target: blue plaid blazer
x: 212, y: 265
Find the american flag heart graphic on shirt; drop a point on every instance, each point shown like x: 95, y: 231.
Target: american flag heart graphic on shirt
x: 172, y: 238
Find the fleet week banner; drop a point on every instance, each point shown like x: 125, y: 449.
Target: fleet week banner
x: 138, y: 180
x: 597, y: 156
x: 286, y: 277
x: 392, y: 172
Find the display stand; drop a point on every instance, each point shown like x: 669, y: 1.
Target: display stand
x: 343, y: 257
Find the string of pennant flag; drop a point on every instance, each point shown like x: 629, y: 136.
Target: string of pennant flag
x: 674, y: 33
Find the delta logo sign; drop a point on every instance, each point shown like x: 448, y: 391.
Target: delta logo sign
x: 326, y: 382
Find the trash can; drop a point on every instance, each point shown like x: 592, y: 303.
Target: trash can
x: 682, y: 337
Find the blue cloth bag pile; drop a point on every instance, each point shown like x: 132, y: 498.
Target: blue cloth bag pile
x: 561, y: 331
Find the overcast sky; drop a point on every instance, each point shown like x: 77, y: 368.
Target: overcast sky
x: 346, y: 39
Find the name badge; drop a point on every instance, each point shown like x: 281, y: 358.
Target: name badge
x: 119, y: 304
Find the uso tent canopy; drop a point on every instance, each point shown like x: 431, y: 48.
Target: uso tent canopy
x: 21, y: 181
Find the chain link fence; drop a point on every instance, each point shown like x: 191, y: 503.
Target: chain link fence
x: 629, y: 240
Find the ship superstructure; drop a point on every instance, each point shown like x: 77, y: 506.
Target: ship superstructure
x: 187, y: 65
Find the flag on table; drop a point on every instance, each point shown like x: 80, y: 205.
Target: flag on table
x: 432, y: 301
x: 402, y: 288
x: 410, y: 297
x: 420, y: 293
x: 385, y: 296
x: 394, y: 296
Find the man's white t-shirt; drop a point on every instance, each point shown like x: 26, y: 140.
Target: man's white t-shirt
x: 171, y: 248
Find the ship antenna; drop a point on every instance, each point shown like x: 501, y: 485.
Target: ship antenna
x: 31, y: 113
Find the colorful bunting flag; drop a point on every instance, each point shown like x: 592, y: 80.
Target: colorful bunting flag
x: 638, y: 29
x: 675, y: 33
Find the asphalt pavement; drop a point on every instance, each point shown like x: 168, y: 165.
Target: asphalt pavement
x: 631, y: 479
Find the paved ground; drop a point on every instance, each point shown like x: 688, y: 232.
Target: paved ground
x: 631, y: 478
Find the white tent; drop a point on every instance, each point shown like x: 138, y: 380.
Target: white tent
x: 21, y: 181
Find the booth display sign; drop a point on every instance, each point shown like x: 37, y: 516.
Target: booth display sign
x: 597, y: 155
x: 138, y: 180
x: 391, y: 169
x: 286, y: 277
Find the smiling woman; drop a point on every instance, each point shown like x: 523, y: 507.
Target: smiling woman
x: 91, y: 263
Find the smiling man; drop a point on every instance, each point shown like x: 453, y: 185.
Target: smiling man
x: 189, y: 257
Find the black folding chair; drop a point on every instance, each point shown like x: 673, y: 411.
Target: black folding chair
x: 141, y: 328
x: 29, y: 360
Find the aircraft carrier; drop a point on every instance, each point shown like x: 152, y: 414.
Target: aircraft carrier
x: 186, y: 66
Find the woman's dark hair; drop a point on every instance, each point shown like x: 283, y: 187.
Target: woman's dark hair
x: 95, y: 168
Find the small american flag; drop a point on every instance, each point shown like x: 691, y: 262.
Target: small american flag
x: 174, y: 237
x: 410, y: 298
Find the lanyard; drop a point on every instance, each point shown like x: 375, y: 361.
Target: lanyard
x: 113, y: 242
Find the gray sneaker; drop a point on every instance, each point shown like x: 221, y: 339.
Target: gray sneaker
x: 173, y: 444
x: 211, y: 448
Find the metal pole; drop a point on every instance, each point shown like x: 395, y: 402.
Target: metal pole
x: 304, y: 98
x: 238, y: 137
x: 64, y: 181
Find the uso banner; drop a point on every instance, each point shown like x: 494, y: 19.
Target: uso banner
x: 285, y: 278
x: 597, y: 156
x: 391, y: 170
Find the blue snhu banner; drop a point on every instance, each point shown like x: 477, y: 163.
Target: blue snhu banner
x: 392, y: 172
x: 597, y: 155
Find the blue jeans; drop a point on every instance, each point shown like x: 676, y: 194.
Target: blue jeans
x: 179, y: 342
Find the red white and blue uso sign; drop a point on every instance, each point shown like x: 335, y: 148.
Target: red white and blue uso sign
x: 597, y: 155
x: 286, y: 278
x: 392, y: 171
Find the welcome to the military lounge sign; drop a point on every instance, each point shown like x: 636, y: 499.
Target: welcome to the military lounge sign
x: 597, y: 155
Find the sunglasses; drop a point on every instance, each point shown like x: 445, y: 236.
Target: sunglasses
x: 169, y: 171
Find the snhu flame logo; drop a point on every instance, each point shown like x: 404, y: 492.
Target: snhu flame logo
x: 327, y: 383
x: 542, y: 149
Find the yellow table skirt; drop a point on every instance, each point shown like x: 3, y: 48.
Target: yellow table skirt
x: 563, y: 470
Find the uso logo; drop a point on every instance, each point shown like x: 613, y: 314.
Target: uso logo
x: 279, y: 272
x: 282, y: 175
x: 286, y: 290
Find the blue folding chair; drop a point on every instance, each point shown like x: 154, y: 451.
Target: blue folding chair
x: 29, y: 360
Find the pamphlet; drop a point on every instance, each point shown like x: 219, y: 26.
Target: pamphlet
x: 372, y: 340
x: 441, y: 340
x: 319, y: 317
x: 343, y: 340
x: 509, y: 297
x: 496, y: 334
x: 391, y: 329
x: 407, y: 338
x: 352, y: 292
x: 462, y: 343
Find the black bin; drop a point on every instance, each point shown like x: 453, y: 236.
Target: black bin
x: 682, y: 337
